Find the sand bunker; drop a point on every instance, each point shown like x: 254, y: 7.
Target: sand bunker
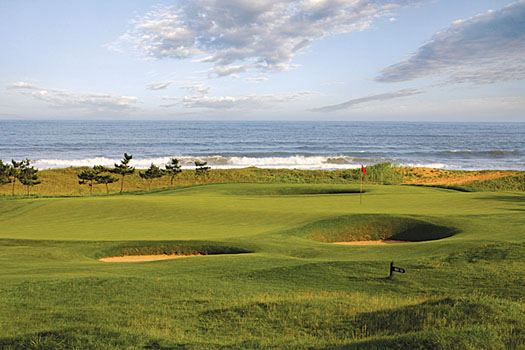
x: 140, y: 258
x: 387, y: 241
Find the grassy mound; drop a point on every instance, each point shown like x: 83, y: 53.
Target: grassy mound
x: 172, y: 248
x: 376, y: 227
x: 512, y: 183
x: 504, y: 184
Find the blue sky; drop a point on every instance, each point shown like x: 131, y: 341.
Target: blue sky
x: 417, y: 60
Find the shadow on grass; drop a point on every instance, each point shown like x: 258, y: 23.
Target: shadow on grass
x: 472, y: 338
x: 514, y: 198
x: 445, y: 187
x: 85, y: 338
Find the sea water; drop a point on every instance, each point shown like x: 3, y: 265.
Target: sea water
x: 265, y: 144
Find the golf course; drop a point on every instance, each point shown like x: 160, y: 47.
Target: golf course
x: 257, y: 268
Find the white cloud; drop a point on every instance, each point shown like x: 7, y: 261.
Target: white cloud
x: 484, y: 49
x: 158, y: 86
x: 377, y: 97
x: 20, y: 85
x: 197, y: 89
x: 242, y: 102
x: 69, y: 99
x: 236, y: 36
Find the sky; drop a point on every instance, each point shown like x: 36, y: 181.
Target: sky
x: 355, y: 60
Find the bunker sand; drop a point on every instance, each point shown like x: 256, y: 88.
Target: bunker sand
x: 387, y: 241
x: 141, y: 258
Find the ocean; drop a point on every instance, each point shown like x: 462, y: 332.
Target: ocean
x: 265, y: 144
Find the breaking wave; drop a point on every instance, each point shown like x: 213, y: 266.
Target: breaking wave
x: 218, y: 162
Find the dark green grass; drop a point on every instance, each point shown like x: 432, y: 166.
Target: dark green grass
x: 283, y: 291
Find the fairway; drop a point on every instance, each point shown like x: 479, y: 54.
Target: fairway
x: 268, y: 277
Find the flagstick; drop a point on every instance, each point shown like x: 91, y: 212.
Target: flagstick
x: 361, y: 189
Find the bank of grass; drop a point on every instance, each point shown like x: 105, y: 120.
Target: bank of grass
x: 285, y: 291
x: 511, y: 183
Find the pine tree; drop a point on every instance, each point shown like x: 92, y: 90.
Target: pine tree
x: 173, y: 168
x: 14, y: 171
x: 153, y: 172
x: 105, y: 179
x: 5, y: 173
x: 201, y: 168
x: 28, y: 176
x: 123, y: 169
x: 87, y: 177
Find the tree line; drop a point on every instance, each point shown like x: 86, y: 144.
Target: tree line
x: 102, y: 175
x: 28, y: 175
x: 21, y: 171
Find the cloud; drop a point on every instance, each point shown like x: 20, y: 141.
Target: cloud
x: 20, y: 85
x: 158, y: 86
x: 197, y: 89
x: 242, y: 102
x: 236, y: 36
x: 484, y: 49
x: 377, y: 97
x: 69, y: 99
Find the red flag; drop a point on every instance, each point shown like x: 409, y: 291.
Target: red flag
x: 363, y: 169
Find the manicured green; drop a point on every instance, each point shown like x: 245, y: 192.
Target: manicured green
x: 264, y: 282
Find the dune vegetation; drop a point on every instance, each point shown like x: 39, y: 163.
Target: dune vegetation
x: 265, y: 275
x: 99, y: 181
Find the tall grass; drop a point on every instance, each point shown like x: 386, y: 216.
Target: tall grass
x: 64, y: 181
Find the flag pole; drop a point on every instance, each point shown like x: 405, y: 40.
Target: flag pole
x: 361, y: 189
x: 363, y: 171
